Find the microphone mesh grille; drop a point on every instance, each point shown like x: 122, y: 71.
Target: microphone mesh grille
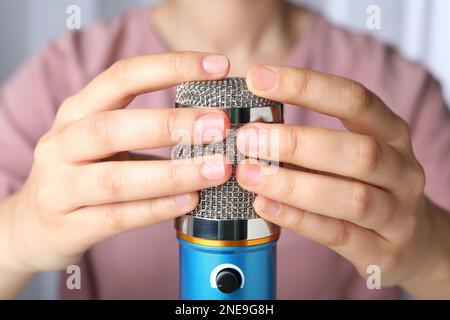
x: 228, y: 201
x: 227, y: 93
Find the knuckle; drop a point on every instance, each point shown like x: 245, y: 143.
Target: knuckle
x: 290, y: 190
x: 360, y: 99
x: 120, y: 71
x: 43, y: 148
x: 157, y: 209
x: 179, y: 65
x: 102, y: 129
x: 404, y: 128
x: 340, y: 235
x: 68, y: 104
x: 303, y: 82
x: 111, y: 181
x: 176, y: 177
x: 114, y: 219
x: 68, y: 110
x: 367, y: 155
x: 65, y: 106
x: 298, y: 221
x: 360, y: 202
x: 164, y: 124
x: 170, y: 123
x: 291, y: 143
x: 153, y: 207
x: 418, y: 179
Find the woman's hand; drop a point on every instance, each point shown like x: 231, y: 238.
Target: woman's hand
x: 79, y: 193
x: 359, y: 192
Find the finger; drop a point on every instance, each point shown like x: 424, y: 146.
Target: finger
x: 353, y: 242
x: 116, y: 87
x: 107, y: 182
x: 356, y: 202
x: 359, y: 109
x: 103, y: 134
x: 342, y: 153
x: 97, y: 223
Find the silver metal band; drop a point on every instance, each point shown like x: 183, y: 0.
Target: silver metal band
x: 273, y: 114
x: 212, y: 229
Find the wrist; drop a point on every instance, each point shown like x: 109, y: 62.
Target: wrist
x: 13, y: 274
x: 433, y: 279
x: 12, y: 281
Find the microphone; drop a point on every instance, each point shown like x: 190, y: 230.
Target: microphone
x: 227, y: 252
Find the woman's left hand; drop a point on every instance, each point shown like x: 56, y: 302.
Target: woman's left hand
x: 360, y: 192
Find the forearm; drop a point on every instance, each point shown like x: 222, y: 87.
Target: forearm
x: 433, y: 282
x: 12, y: 279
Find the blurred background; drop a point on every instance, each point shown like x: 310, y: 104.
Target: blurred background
x: 419, y: 29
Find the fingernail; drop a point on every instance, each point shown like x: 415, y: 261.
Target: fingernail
x: 210, y: 126
x: 263, y: 78
x: 250, y: 174
x: 183, y: 200
x: 270, y: 207
x: 213, y: 171
x: 215, y: 64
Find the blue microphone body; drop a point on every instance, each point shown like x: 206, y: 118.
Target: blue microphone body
x: 200, y: 267
x: 227, y: 252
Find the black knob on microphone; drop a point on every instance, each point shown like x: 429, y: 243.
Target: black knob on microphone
x: 228, y: 280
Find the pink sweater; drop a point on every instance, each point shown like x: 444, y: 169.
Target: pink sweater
x: 143, y: 263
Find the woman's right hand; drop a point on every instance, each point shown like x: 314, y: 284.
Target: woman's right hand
x: 79, y: 194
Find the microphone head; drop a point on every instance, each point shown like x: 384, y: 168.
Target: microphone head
x: 225, y: 94
x: 226, y: 203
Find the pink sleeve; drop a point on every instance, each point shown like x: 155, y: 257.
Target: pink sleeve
x: 30, y: 99
x: 28, y: 104
x: 25, y: 115
x: 430, y: 125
